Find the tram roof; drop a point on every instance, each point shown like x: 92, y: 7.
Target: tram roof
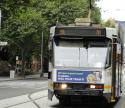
x: 82, y: 31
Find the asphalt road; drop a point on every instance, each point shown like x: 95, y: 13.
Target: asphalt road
x: 55, y: 104
x: 20, y: 87
x: 12, y: 91
x: 40, y: 100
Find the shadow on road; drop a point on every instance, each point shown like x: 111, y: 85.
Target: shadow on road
x: 82, y: 102
x: 82, y: 105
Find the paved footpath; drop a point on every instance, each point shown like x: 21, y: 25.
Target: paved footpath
x: 121, y: 103
x: 39, y: 100
x: 25, y: 101
x: 37, y: 76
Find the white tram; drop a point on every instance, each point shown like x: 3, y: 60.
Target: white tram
x: 85, y: 61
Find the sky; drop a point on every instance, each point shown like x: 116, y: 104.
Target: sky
x: 112, y: 9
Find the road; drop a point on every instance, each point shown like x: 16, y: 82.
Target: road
x: 38, y: 100
x: 20, y: 87
x: 55, y: 104
x: 33, y: 94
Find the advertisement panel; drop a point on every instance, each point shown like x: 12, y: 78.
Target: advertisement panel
x: 78, y: 76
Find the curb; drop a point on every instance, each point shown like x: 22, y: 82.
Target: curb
x: 13, y: 79
x: 9, y: 80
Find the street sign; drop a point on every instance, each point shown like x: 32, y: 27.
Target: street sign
x: 3, y: 43
x: 17, y: 58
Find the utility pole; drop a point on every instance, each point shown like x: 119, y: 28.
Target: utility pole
x: 0, y: 18
x: 114, y: 50
x: 41, y: 74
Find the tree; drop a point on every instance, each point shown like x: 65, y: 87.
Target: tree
x: 109, y: 23
x: 24, y: 20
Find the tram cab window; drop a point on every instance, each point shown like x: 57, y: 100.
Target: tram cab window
x: 108, y: 59
x: 81, y: 53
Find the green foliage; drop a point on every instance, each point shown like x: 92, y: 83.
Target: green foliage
x: 24, y: 20
x: 109, y: 23
x: 96, y: 15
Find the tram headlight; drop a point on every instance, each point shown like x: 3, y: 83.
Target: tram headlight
x: 59, y: 86
x: 64, y: 86
x: 92, y: 86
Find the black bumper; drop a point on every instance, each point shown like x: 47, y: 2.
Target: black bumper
x: 79, y: 92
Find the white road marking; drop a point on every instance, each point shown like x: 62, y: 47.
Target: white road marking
x: 24, y: 100
x: 25, y: 105
x: 13, y: 101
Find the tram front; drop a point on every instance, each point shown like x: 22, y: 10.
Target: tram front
x: 81, y: 64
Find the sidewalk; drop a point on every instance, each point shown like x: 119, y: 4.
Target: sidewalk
x: 24, y: 101
x: 8, y: 79
x: 37, y: 76
x: 121, y: 103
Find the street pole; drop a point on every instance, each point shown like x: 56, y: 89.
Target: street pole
x: 114, y: 50
x: 0, y: 18
x: 41, y: 74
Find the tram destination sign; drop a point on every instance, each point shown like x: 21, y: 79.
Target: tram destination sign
x: 80, y: 31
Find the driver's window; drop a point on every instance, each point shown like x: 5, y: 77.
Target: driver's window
x: 108, y: 59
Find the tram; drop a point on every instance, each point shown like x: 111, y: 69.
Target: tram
x: 85, y: 61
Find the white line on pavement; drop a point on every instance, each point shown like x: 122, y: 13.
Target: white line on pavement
x: 25, y: 105
x: 22, y: 100
x: 38, y: 95
x: 13, y: 101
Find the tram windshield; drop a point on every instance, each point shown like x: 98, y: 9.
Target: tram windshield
x: 81, y: 53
